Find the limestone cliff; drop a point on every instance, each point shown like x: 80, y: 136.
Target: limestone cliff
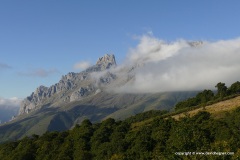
x: 71, y: 87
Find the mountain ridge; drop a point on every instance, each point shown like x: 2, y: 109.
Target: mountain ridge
x: 90, y: 94
x: 67, y: 83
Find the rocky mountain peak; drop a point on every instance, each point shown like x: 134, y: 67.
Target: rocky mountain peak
x: 195, y: 43
x: 103, y: 63
x: 107, y: 61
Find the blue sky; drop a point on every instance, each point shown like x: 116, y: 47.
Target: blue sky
x: 42, y: 40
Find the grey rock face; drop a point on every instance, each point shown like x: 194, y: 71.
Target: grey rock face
x: 107, y: 78
x: 70, y: 82
x: 34, y: 99
x: 106, y: 61
x: 80, y: 93
x: 98, y: 91
x: 103, y: 63
x: 26, y: 106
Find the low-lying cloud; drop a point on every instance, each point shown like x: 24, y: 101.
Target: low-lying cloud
x: 181, y: 65
x: 39, y: 73
x: 9, y: 108
x: 82, y: 65
x: 9, y: 103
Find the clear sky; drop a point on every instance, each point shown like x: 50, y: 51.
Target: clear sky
x: 42, y: 40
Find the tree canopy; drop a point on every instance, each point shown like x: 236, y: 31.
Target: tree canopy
x: 160, y: 138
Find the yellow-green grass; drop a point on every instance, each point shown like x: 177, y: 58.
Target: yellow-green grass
x: 217, y: 110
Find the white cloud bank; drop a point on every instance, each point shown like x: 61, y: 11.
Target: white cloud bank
x: 9, y: 103
x: 179, y: 66
x: 82, y: 65
x: 9, y: 108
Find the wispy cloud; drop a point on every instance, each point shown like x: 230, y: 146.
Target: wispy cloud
x: 4, y: 66
x: 39, y: 73
x: 179, y: 66
x: 82, y: 65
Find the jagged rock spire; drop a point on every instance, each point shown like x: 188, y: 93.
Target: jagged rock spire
x: 107, y: 61
x: 103, y: 63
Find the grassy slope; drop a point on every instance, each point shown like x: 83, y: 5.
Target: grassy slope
x: 95, y: 108
x: 157, y: 101
x: 217, y: 110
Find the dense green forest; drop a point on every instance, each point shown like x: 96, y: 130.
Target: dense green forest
x: 160, y: 139
x: 197, y: 137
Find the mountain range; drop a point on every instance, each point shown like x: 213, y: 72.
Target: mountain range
x: 91, y: 94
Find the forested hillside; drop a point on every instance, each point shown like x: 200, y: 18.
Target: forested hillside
x: 201, y: 136
x: 160, y: 139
